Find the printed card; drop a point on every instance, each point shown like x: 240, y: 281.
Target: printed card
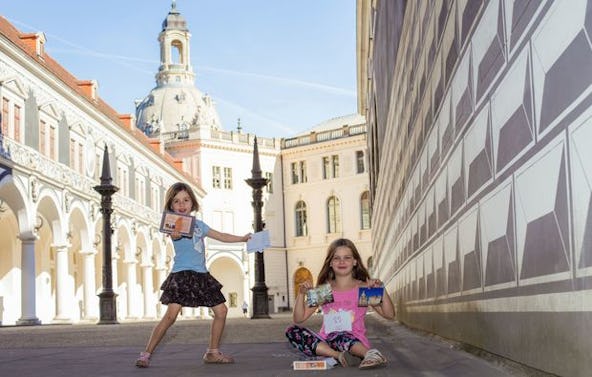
x: 174, y: 221
x: 370, y: 296
x: 310, y: 365
x: 319, y: 295
x: 338, y: 321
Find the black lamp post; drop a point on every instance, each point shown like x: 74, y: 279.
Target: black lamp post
x: 107, y: 305
x: 260, y: 306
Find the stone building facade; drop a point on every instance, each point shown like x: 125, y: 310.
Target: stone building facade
x: 479, y: 119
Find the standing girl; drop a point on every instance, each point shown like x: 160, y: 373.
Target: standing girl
x: 343, y: 333
x: 190, y: 283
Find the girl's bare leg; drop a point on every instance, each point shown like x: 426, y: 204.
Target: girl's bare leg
x: 323, y: 349
x: 218, y: 323
x: 161, y: 328
x: 358, y: 349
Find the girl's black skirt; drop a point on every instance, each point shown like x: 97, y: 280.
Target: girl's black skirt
x: 193, y: 289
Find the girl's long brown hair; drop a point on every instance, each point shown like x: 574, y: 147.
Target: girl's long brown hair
x: 359, y: 271
x: 174, y: 190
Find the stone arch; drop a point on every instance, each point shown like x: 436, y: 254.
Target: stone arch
x: 79, y: 240
x: 51, y: 258
x: 229, y: 270
x: 14, y: 220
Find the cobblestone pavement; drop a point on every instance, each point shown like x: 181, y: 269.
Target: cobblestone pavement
x: 258, y: 346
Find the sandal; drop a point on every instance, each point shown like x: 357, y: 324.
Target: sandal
x: 144, y: 360
x: 373, y: 359
x: 347, y: 359
x: 217, y: 357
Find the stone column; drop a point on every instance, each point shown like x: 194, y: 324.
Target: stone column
x: 28, y: 296
x: 91, y: 303
x: 63, y: 302
x: 131, y: 290
x: 149, y: 304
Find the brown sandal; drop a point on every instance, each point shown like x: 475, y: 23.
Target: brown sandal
x: 217, y: 357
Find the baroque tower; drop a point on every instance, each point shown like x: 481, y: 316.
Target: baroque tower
x: 175, y: 108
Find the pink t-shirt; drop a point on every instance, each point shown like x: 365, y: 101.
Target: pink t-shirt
x: 345, y: 306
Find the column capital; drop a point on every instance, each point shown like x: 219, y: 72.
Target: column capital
x: 28, y: 236
x: 61, y: 247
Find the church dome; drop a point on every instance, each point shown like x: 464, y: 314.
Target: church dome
x: 175, y: 105
x: 174, y: 108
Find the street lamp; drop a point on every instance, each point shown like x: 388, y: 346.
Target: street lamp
x: 107, y: 307
x: 260, y: 306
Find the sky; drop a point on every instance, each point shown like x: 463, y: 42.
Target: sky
x: 281, y: 66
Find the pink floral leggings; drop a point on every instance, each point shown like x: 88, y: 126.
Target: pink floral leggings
x: 306, y: 341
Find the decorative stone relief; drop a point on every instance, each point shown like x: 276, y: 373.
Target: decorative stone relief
x: 34, y: 189
x: 67, y: 201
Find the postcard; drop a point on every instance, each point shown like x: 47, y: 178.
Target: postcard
x: 174, y: 221
x: 326, y: 363
x: 259, y: 241
x: 370, y: 296
x: 319, y: 295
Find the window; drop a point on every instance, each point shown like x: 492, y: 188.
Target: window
x: 301, y: 228
x: 98, y: 166
x: 298, y: 170
x: 330, y: 167
x: 365, y: 210
x: 5, y: 116
x: 216, y: 177
x: 77, y: 155
x: 16, y: 125
x: 335, y: 163
x: 333, y: 215
x: 294, y: 170
x: 123, y: 180
x: 42, y: 132
x: 228, y: 178
x: 140, y: 190
x: 155, y: 197
x: 360, y: 162
x: 269, y: 186
x: 303, y: 177
x: 11, y: 118
x: 325, y: 167
x: 47, y: 139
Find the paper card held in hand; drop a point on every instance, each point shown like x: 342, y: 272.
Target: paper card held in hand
x: 319, y: 295
x: 258, y: 242
x: 173, y: 221
x: 370, y: 296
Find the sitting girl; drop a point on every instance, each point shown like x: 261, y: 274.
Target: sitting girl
x: 343, y: 333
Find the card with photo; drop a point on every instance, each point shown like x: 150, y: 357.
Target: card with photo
x: 174, y: 221
x: 319, y: 295
x: 370, y: 296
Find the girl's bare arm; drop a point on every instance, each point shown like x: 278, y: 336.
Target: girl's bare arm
x: 386, y: 309
x: 227, y: 237
x: 301, y: 311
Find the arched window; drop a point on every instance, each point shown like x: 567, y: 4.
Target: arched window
x: 365, y: 210
x: 333, y: 215
x: 301, y: 228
